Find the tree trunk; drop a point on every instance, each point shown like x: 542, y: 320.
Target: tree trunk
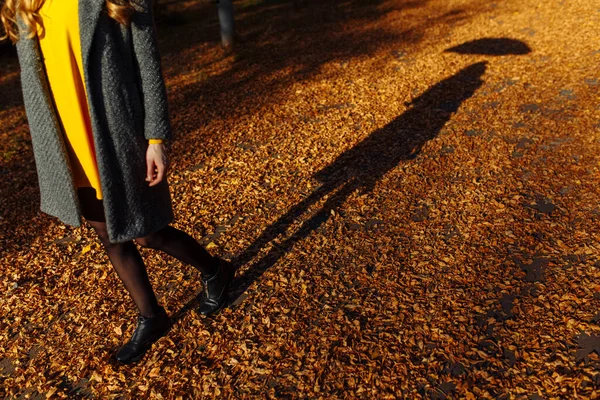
x: 227, y: 22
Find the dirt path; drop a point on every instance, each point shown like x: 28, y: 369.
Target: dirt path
x: 410, y: 190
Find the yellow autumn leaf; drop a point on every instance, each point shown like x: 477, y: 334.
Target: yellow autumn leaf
x: 96, y: 377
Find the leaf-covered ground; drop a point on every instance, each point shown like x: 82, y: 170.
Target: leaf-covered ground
x: 413, y: 210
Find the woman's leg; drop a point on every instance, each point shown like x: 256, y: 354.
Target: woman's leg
x: 217, y: 274
x: 130, y: 268
x: 153, y: 322
x: 124, y: 257
x: 183, y: 247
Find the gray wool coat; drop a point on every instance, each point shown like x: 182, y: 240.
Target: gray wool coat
x: 128, y: 105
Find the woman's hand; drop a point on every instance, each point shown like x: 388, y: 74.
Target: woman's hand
x: 156, y: 163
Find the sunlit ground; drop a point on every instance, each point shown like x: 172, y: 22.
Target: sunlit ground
x: 413, y: 210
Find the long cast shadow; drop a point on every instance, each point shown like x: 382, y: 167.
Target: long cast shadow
x: 283, y: 47
x: 360, y: 167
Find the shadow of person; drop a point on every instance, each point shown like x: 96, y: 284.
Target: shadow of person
x: 362, y: 166
x: 491, y: 47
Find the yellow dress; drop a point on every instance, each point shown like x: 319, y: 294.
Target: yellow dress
x: 61, y: 48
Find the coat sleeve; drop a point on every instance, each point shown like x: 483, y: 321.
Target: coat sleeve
x: 157, y: 124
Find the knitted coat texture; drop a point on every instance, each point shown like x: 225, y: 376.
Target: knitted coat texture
x: 128, y: 105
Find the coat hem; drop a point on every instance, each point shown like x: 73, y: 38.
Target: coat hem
x: 67, y: 221
x: 126, y: 237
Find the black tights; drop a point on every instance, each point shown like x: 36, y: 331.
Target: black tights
x: 128, y: 262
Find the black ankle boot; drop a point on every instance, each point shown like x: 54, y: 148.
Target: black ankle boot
x: 148, y: 331
x: 216, y: 288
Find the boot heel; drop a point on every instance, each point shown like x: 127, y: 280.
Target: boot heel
x: 216, y: 289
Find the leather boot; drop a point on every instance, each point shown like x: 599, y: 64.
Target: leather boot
x: 148, y: 331
x: 216, y: 288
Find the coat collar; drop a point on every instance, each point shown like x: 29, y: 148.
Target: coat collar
x: 89, y: 13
